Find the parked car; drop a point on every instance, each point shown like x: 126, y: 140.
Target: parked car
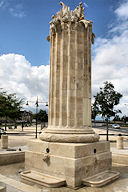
x: 116, y: 126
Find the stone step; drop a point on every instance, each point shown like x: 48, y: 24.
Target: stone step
x: 19, y: 186
x: 42, y: 179
x: 101, y: 179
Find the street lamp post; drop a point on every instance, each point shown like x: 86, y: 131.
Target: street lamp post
x: 37, y: 105
x: 126, y: 104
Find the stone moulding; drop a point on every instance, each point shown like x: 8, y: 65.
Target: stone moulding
x: 70, y: 138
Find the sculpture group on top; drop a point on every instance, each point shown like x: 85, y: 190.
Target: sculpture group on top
x: 65, y: 14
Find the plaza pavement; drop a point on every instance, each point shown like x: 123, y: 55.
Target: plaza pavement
x: 9, y: 174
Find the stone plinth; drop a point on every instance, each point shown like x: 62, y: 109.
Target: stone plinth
x: 72, y: 162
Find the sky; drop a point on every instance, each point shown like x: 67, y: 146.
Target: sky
x: 25, y: 52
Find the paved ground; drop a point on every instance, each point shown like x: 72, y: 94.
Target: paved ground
x: 12, y: 171
x: 17, y: 137
x: 21, y: 137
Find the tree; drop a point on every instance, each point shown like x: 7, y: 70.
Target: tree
x: 42, y: 116
x: 95, y: 110
x: 10, y: 106
x: 116, y: 118
x: 124, y: 119
x: 106, y: 99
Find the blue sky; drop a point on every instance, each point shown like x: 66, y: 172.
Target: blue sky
x: 25, y: 24
x: 24, y: 50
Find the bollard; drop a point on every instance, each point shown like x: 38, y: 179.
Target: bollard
x: 120, y: 142
x: 4, y: 141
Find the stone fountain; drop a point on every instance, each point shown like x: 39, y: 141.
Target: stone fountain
x: 69, y: 151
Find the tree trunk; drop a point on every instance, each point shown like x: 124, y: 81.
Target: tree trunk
x: 6, y: 123
x: 107, y: 131
x: 15, y: 125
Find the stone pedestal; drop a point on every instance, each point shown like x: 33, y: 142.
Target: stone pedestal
x: 72, y: 162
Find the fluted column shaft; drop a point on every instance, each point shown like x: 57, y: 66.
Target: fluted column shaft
x: 70, y: 77
x: 70, y: 84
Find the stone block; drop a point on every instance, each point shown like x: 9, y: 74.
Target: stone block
x: 11, y: 157
x: 72, y: 162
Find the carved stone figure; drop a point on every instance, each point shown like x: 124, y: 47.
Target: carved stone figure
x: 66, y: 15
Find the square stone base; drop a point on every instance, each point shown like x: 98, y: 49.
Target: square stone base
x: 70, y: 161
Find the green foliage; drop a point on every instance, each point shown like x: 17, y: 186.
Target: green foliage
x: 10, y: 106
x: 95, y: 110
x: 106, y: 99
x: 116, y: 118
x: 124, y: 119
x: 42, y: 116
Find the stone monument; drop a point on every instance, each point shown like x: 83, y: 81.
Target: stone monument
x: 69, y: 151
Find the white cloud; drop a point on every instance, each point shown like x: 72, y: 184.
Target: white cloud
x: 85, y: 4
x: 1, y: 3
x: 122, y: 11
x: 14, y: 9
x: 110, y: 61
x: 18, y: 76
x: 17, y: 11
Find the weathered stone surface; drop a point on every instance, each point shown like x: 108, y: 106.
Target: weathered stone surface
x: 70, y: 78
x: 101, y: 179
x: 72, y: 162
x: 42, y: 179
x: 11, y: 157
x: 70, y: 138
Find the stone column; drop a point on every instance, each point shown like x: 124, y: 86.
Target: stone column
x: 70, y: 79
